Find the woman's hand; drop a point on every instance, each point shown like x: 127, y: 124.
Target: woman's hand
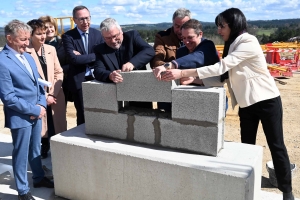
x: 51, y: 100
x: 171, y: 74
x: 158, y: 70
x: 187, y: 80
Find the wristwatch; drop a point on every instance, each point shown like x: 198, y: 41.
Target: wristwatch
x: 167, y: 65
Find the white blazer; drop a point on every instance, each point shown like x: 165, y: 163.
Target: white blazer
x: 249, y: 78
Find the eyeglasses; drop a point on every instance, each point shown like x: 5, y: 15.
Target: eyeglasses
x: 221, y: 26
x: 114, y: 37
x: 82, y: 19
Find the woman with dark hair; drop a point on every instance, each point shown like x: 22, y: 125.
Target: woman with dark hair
x: 251, y: 86
x: 50, y: 70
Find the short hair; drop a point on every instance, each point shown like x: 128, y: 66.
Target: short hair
x: 77, y: 8
x: 108, y: 23
x: 14, y: 26
x: 181, y: 13
x: 49, y: 19
x: 36, y: 24
x: 194, y: 24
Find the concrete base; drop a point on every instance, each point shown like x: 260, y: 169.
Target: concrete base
x: 90, y: 167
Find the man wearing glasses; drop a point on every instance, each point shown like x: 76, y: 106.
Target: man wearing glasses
x: 121, y: 52
x: 79, y: 46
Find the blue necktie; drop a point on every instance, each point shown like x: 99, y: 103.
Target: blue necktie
x: 86, y: 44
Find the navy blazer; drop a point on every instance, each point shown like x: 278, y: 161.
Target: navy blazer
x: 133, y: 49
x: 19, y: 92
x: 204, y: 54
x: 78, y: 63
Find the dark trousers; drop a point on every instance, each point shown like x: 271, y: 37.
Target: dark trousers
x: 269, y: 112
x: 78, y: 103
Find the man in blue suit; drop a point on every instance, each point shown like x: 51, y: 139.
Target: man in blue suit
x: 79, y: 44
x: 24, y: 104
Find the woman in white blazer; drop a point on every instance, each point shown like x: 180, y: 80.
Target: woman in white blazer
x: 251, y: 86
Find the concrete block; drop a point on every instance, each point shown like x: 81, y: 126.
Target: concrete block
x: 100, y: 96
x: 199, y: 139
x: 99, y: 168
x: 198, y: 104
x: 143, y: 86
x: 106, y: 124
x: 144, y: 129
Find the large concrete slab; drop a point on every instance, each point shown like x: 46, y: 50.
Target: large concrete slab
x: 100, y: 96
x: 198, y: 104
x: 143, y: 86
x: 99, y: 168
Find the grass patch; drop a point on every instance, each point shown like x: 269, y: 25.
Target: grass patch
x: 266, y: 31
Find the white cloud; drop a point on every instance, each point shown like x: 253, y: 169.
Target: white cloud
x: 118, y: 9
x: 119, y: 2
x: 132, y: 15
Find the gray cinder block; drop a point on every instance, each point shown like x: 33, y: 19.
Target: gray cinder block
x: 198, y: 104
x: 115, y: 170
x: 100, y: 96
x: 106, y: 124
x: 143, y: 86
x: 144, y: 129
x: 200, y: 139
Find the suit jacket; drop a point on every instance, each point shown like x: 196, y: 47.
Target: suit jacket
x: 55, y: 76
x: 77, y: 64
x: 204, y: 54
x: 249, y: 78
x: 19, y: 92
x: 133, y: 49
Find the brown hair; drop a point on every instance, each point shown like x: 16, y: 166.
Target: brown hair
x: 49, y: 19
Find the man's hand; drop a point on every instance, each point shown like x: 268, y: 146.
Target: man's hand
x: 42, y: 112
x: 158, y: 70
x: 116, y: 77
x: 76, y: 53
x: 127, y: 67
x: 51, y: 100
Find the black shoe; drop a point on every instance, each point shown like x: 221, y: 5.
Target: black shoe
x: 288, y: 196
x: 26, y: 197
x: 45, y: 182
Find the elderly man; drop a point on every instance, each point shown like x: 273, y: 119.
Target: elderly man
x: 24, y: 105
x: 167, y: 42
x: 121, y: 52
x: 79, y: 46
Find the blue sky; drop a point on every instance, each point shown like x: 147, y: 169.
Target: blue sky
x: 147, y: 11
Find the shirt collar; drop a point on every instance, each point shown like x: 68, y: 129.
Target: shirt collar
x: 13, y: 51
x: 80, y: 31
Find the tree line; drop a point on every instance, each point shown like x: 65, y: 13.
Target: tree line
x: 284, y: 30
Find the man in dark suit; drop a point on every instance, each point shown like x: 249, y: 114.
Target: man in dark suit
x: 121, y: 52
x: 24, y: 106
x: 79, y: 43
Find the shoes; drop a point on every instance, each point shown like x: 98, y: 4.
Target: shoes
x: 288, y: 196
x: 45, y: 182
x: 26, y: 196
